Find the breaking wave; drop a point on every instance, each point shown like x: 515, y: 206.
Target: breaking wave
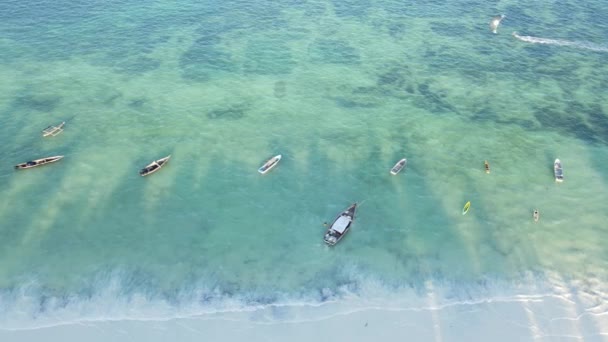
x: 34, y: 306
x: 561, y: 42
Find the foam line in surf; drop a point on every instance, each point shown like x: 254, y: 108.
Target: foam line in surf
x: 562, y: 42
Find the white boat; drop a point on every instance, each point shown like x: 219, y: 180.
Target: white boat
x: 340, y: 226
x: 536, y: 215
x: 38, y: 162
x: 557, y: 170
x: 495, y: 22
x: 270, y: 164
x: 154, y: 166
x: 53, y: 130
x: 399, y: 166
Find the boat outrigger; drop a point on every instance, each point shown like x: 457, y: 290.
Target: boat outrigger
x: 399, y: 166
x: 340, y: 226
x: 53, y: 130
x: 154, y: 166
x: 269, y: 164
x: 38, y: 162
x: 557, y: 171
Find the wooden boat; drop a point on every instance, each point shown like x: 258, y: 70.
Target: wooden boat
x: 536, y: 215
x: 38, y: 162
x: 53, y: 130
x: 399, y: 166
x: 340, y: 226
x: 269, y: 164
x: 487, y: 166
x: 154, y: 166
x: 557, y: 171
x: 466, y: 208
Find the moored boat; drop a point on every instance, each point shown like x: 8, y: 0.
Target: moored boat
x: 558, y: 171
x: 38, y: 162
x: 53, y: 130
x: 487, y: 166
x: 536, y: 215
x: 340, y: 226
x: 398, y: 166
x: 270, y: 164
x: 154, y: 166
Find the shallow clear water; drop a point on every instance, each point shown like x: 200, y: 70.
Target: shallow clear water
x: 343, y: 90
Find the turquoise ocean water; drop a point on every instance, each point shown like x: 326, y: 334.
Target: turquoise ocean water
x: 342, y: 89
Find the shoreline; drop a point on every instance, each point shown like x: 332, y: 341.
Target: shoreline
x: 528, y: 320
x: 572, y: 309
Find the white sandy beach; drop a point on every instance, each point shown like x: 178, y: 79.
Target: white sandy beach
x: 567, y: 313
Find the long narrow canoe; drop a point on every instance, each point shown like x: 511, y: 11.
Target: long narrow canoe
x: 270, y: 164
x: 398, y: 166
x: 38, y: 162
x: 154, y: 166
x: 53, y: 130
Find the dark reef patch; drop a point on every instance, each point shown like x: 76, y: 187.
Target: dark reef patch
x: 137, y: 103
x: 396, y: 30
x: 37, y: 102
x: 268, y: 57
x: 358, y: 97
x: 449, y: 30
x: 433, y: 100
x: 351, y: 8
x: 203, y: 58
x: 333, y: 51
x: 280, y: 89
x: 397, y: 82
x: 138, y: 65
x: 234, y: 112
x: 568, y: 122
x: 353, y: 103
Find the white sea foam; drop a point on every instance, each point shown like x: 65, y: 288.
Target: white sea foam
x: 561, y: 42
x: 27, y: 309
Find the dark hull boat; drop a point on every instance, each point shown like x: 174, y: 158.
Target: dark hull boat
x: 38, y: 162
x: 341, y: 225
x: 154, y: 166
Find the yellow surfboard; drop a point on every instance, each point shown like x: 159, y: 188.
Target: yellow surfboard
x: 466, y: 208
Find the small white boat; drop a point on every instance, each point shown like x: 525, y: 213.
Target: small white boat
x: 38, y: 162
x: 53, y: 130
x: 495, y: 22
x: 154, y: 166
x: 270, y: 164
x: 557, y: 170
x: 399, y: 166
x: 536, y: 215
x: 340, y: 226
